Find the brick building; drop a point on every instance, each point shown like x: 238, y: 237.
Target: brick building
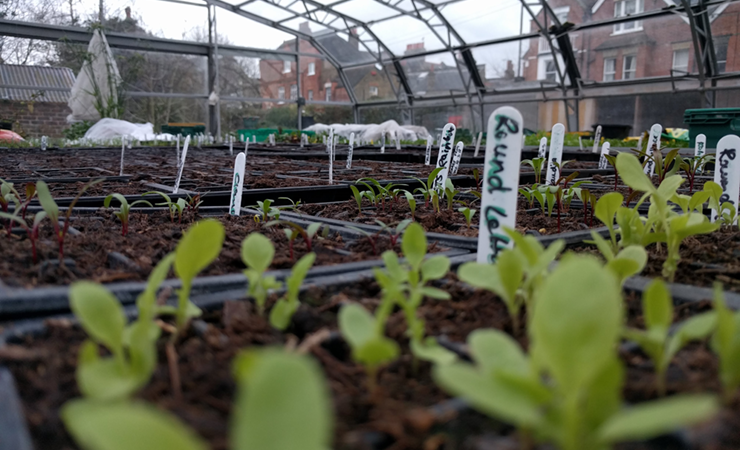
x: 27, y: 106
x: 658, y: 47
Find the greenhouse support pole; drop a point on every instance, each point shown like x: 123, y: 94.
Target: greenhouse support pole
x: 211, y: 117
x: 299, y: 89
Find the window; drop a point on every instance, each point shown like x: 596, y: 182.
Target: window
x: 720, y: 49
x: 286, y: 66
x: 327, y: 87
x: 681, y: 60
x: 610, y: 69
x: 629, y: 67
x: 281, y: 92
x: 310, y: 95
x: 544, y: 45
x: 311, y: 69
x: 373, y: 91
x: 551, y: 73
x: 562, y: 13
x: 294, y: 92
x: 626, y: 8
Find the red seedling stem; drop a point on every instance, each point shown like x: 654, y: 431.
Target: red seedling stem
x: 557, y: 198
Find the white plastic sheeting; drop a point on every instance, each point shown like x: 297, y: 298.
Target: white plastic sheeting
x: 96, y: 84
x: 373, y: 132
x: 107, y: 129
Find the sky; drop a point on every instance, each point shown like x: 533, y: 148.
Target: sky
x: 474, y: 20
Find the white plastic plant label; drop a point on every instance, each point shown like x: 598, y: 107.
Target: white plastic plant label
x: 302, y: 139
x: 181, y: 164
x: 350, y: 150
x: 477, y: 144
x: 500, y: 182
x: 542, y: 152
x: 603, y: 163
x: 330, y: 149
x: 329, y: 140
x: 597, y: 139
x: 382, y: 143
x: 44, y: 142
x: 652, y: 145
x: 246, y: 148
x: 456, y: 157
x: 398, y: 140
x: 231, y: 145
x: 727, y: 171
x: 123, y: 150
x: 428, y: 152
x: 444, y: 156
x: 557, y: 138
x: 237, y: 185
x: 580, y: 143
x: 700, y: 148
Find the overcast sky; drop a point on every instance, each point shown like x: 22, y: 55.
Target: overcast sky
x: 474, y: 20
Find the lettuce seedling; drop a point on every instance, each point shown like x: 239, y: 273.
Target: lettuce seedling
x: 124, y: 209
x: 32, y: 232
x: 656, y: 341
x: 286, y: 306
x: 257, y: 254
x: 366, y: 337
x: 468, y: 213
x: 726, y: 211
x: 52, y: 211
x: 537, y: 164
x: 567, y: 391
x: 726, y: 344
x: 282, y: 402
x: 426, y: 188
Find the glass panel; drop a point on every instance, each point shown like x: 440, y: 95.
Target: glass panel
x: 161, y: 72
x: 365, y: 10
x: 325, y: 85
x: 327, y: 114
x: 161, y: 111
x: 274, y: 76
x: 596, y: 11
x: 267, y: 11
x: 405, y: 33
x: 370, y: 83
x: 725, y: 34
x: 662, y: 45
x: 346, y: 49
x: 477, y: 21
x: 379, y: 115
x: 434, y: 119
x: 191, y: 22
x: 433, y: 75
x: 239, y: 30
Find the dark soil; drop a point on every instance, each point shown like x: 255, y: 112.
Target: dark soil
x: 151, y: 237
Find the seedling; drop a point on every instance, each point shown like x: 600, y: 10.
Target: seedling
x: 257, y: 254
x: 412, y: 203
x: 52, y: 211
x: 32, y: 232
x: 426, y: 188
x: 726, y: 344
x: 193, y: 203
x: 450, y: 193
x: 285, y: 307
x: 372, y: 238
x: 268, y: 211
x: 612, y: 160
x: 293, y: 204
x: 567, y: 391
x: 692, y: 165
x: 726, y: 212
x: 393, y: 233
x: 294, y: 230
x: 655, y: 340
x: 172, y: 207
x: 537, y: 164
x: 124, y: 209
x: 468, y: 213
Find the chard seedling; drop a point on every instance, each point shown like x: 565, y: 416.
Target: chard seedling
x: 692, y: 165
x: 468, y: 213
x: 268, y: 211
x: 294, y: 230
x: 285, y: 307
x: 450, y: 193
x: 612, y: 160
x: 32, y: 232
x: 426, y: 188
x: 393, y: 232
x: 656, y: 341
x: 537, y: 164
x: 372, y: 238
x: 293, y: 204
x: 52, y: 211
x: 405, y: 286
x: 567, y: 391
x: 726, y: 344
x: 412, y: 203
x: 358, y: 198
x: 124, y: 209
x: 172, y: 207
x: 257, y: 254
x: 366, y: 337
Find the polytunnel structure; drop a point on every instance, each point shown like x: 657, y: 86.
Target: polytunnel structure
x: 580, y: 62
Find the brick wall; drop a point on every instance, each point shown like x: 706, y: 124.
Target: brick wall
x: 35, y: 120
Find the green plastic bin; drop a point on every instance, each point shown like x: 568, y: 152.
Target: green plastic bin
x: 713, y: 123
x: 262, y: 133
x: 185, y: 129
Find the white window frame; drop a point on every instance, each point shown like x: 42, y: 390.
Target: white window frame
x: 620, y: 7
x: 682, y: 69
x: 286, y: 66
x: 561, y: 13
x: 281, y: 93
x: 327, y: 92
x: 373, y: 91
x: 633, y: 71
x: 613, y: 72
x: 293, y: 91
x: 310, y: 95
x: 311, y: 69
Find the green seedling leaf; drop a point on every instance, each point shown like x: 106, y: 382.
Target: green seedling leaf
x: 430, y: 350
x: 435, y: 267
x: 198, y: 248
x: 631, y: 172
x: 657, y: 306
x: 126, y: 426
x: 257, y: 252
x: 99, y: 313
x: 47, y: 201
x: 494, y: 350
x: 414, y: 245
x: 628, y: 262
x: 282, y: 403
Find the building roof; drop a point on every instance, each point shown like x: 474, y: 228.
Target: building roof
x: 32, y: 83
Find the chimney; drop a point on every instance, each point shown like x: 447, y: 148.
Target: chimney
x: 353, y: 40
x: 509, y: 74
x: 128, y: 13
x: 304, y: 28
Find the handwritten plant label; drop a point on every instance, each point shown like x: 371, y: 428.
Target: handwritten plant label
x: 727, y: 171
x: 44, y: 142
x: 556, y: 154
x: 182, y: 165
x: 501, y: 181
x: 597, y: 139
x: 444, y: 157
x: 237, y: 185
x: 350, y: 150
x: 428, y: 152
x: 330, y: 149
x: 382, y: 143
x: 603, y: 163
x: 456, y: 157
x: 701, y: 146
x: 542, y: 152
x: 477, y: 144
x: 652, y: 145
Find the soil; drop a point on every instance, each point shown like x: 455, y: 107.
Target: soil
x: 398, y: 416
x: 151, y: 237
